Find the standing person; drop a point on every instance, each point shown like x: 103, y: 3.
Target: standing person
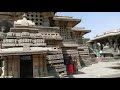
x: 75, y: 65
x: 70, y: 66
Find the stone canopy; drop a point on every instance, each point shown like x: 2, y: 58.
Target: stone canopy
x: 24, y: 22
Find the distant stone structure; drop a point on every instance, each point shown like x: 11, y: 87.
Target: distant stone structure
x: 38, y: 44
x: 106, y: 45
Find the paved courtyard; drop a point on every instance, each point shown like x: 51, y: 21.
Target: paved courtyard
x: 101, y: 70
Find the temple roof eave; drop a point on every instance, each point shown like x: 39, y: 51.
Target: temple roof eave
x: 105, y: 36
x: 84, y: 31
x: 20, y: 51
x: 67, y: 19
x: 110, y: 33
x: 81, y: 30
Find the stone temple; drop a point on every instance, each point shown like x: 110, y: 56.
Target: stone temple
x: 39, y: 44
x: 105, y: 46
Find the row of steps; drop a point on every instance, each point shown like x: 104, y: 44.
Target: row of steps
x: 70, y: 53
x: 84, y: 54
x: 56, y: 61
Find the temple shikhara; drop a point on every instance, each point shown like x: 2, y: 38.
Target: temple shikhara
x: 41, y: 44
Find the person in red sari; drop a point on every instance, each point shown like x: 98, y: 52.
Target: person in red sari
x: 70, y: 66
x: 70, y: 69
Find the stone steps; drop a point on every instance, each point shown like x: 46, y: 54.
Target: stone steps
x: 84, y: 54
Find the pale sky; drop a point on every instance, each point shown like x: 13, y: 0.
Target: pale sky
x: 97, y: 22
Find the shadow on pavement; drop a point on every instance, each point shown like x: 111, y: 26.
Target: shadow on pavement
x: 115, y: 67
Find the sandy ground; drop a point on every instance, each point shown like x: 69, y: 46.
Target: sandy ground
x: 101, y: 70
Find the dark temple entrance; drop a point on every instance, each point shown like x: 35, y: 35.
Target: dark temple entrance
x: 26, y: 66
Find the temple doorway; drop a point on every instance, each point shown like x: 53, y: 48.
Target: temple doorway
x: 26, y: 66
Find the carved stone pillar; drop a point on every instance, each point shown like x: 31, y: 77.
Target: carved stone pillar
x: 101, y: 46
x: 115, y: 44
x: 45, y: 65
x: 110, y: 42
x: 95, y: 45
x: 4, y: 67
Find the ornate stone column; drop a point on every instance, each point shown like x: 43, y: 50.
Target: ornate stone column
x: 101, y: 46
x: 4, y: 72
x: 45, y: 65
x: 96, y: 49
x: 94, y: 45
x: 110, y: 39
x: 115, y: 44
